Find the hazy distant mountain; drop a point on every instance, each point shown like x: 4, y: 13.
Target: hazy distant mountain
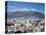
x: 25, y: 13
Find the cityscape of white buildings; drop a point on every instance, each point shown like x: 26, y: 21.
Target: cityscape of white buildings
x: 30, y: 24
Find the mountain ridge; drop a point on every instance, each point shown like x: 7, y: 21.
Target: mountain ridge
x: 26, y: 13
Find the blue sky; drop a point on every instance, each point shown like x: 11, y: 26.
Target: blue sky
x: 12, y: 5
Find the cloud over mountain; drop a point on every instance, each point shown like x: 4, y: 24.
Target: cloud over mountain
x: 25, y: 9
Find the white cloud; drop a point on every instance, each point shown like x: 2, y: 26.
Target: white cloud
x: 25, y: 9
x: 22, y: 9
x: 33, y: 9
